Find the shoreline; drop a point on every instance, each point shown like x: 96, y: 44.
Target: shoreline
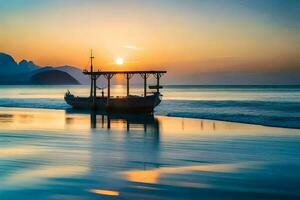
x: 168, y: 115
x: 233, y: 121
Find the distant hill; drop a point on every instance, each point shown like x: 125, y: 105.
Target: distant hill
x: 76, y: 73
x: 26, y: 72
x: 53, y: 77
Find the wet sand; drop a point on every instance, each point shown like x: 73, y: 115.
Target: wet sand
x: 58, y: 154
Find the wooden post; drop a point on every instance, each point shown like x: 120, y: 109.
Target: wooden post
x: 102, y: 121
x: 157, y: 78
x: 108, y: 121
x: 108, y: 87
x: 108, y: 77
x: 128, y: 126
x: 145, y: 85
x: 95, y: 91
x: 91, y: 92
x: 93, y: 119
x: 145, y: 76
x: 127, y: 77
x: 91, y: 57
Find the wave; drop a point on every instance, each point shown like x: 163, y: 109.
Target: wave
x: 45, y: 103
x: 278, y: 114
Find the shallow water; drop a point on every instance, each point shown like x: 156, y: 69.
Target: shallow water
x: 62, y: 154
x: 266, y: 105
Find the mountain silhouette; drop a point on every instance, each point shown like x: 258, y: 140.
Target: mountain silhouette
x: 27, y: 72
x: 7, y: 64
x: 53, y: 77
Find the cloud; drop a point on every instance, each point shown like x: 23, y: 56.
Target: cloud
x: 132, y: 47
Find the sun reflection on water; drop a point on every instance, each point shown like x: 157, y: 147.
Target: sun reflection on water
x: 18, y: 151
x: 105, y: 192
x: 35, y: 176
x: 152, y: 176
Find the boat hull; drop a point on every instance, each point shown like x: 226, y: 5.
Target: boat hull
x: 128, y: 104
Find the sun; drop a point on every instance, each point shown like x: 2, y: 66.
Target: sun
x: 119, y: 61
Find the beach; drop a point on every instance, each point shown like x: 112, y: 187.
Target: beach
x: 62, y: 154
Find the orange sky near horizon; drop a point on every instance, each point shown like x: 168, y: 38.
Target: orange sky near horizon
x: 200, y: 37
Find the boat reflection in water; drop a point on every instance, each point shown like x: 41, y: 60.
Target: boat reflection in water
x: 143, y: 125
x: 107, y: 120
x: 145, y: 120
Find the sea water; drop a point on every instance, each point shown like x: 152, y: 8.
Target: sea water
x: 49, y: 151
x: 265, y: 105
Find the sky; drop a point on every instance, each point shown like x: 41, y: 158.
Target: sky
x: 196, y: 41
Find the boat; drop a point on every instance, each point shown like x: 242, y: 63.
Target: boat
x: 124, y: 104
x: 115, y: 104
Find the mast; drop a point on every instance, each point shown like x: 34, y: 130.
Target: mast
x: 91, y: 57
x: 92, y: 78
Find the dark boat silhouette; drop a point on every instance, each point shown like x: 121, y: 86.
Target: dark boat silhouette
x: 126, y: 104
x: 116, y: 104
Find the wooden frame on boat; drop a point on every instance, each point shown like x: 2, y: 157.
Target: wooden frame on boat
x: 128, y: 74
x: 129, y: 103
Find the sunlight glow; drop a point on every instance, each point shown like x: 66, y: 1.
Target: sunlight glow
x: 119, y: 61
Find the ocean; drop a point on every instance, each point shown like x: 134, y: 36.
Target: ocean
x: 203, y: 142
x: 265, y: 105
